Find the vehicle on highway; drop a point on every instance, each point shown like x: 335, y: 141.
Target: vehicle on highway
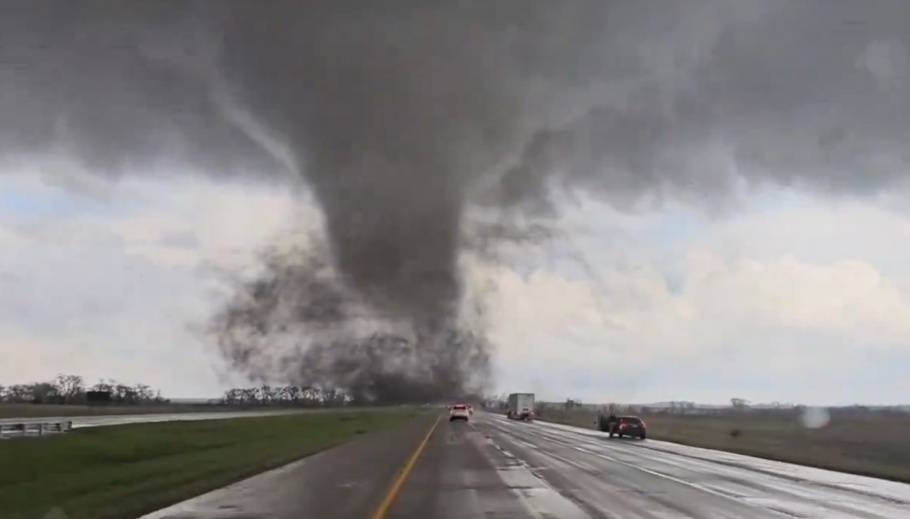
x: 521, y: 406
x: 631, y: 426
x: 459, y: 412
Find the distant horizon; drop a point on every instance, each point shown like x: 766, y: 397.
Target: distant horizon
x: 646, y: 404
x: 549, y: 399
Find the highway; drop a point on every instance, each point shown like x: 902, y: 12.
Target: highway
x: 516, y: 469
x: 496, y: 468
x: 342, y: 482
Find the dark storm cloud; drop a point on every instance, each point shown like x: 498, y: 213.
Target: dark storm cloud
x: 116, y: 85
x: 812, y: 94
x: 403, y: 116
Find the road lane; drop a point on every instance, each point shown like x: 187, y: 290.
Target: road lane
x: 631, y: 478
x: 462, y: 474
x: 492, y: 467
x: 341, y: 482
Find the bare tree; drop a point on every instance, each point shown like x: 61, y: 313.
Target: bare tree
x: 45, y: 393
x: 265, y: 394
x: 293, y: 393
x: 103, y: 386
x: 232, y: 396
x: 739, y: 403
x: 70, y: 388
x: 310, y: 395
x: 304, y: 396
x: 20, y: 393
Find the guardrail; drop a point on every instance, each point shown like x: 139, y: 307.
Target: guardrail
x: 23, y: 429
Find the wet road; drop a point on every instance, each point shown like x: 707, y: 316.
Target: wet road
x: 494, y: 467
x: 345, y: 481
x: 497, y: 468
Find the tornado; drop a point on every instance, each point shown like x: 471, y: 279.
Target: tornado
x: 425, y: 132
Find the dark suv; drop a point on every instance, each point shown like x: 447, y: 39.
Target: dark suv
x: 631, y: 426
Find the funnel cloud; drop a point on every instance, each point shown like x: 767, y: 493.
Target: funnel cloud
x: 405, y: 120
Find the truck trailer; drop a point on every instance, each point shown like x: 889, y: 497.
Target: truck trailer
x: 521, y: 406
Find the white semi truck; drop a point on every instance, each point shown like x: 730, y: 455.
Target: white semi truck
x: 521, y: 406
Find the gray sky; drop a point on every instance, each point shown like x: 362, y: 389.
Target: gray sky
x: 725, y: 183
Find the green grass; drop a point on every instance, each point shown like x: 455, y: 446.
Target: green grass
x: 869, y: 443
x: 128, y: 470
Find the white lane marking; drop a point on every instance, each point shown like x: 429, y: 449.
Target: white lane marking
x: 824, y: 501
x: 508, y: 454
x: 535, y: 494
x: 841, y: 484
x: 565, y: 442
x: 638, y: 467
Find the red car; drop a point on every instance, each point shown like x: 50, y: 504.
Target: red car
x: 631, y: 426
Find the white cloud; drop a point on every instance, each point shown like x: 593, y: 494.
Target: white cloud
x: 789, y: 299
x: 116, y: 286
x: 844, y: 297
x: 772, y: 327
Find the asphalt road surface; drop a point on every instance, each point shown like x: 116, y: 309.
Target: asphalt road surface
x: 495, y: 467
x: 492, y: 467
x: 342, y: 482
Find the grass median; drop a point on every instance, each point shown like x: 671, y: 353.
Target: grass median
x: 127, y: 470
x: 868, y: 443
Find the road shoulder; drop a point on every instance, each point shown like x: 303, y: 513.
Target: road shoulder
x: 344, y: 481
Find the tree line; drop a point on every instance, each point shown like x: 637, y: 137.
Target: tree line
x: 71, y: 389
x: 302, y: 396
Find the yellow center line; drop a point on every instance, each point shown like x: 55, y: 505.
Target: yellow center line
x: 392, y: 493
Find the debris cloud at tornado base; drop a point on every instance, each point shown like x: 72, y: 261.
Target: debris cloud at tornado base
x: 407, y: 119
